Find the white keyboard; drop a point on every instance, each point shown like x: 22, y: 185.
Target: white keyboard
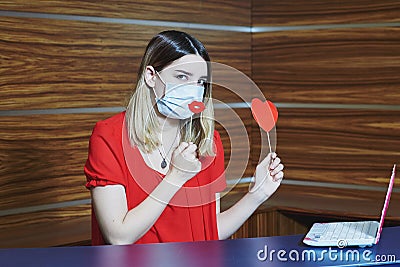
x: 348, y: 233
x: 346, y: 230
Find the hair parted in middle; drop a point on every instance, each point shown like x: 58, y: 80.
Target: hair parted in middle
x: 141, y: 118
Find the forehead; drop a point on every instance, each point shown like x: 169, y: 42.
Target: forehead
x: 194, y: 64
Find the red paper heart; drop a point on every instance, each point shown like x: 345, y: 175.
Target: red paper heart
x: 265, y: 113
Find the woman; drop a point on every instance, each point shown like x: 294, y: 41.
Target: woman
x: 154, y: 170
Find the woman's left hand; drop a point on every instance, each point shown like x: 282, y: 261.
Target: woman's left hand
x: 268, y: 177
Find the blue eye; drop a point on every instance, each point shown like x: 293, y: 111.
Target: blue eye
x: 182, y: 77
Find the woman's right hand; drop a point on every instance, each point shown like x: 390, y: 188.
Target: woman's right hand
x: 184, y: 163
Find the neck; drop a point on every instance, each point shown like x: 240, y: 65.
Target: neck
x: 169, y: 125
x: 169, y: 136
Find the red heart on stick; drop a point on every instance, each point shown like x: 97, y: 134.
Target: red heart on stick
x: 265, y: 113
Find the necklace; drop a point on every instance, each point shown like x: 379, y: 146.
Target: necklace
x: 164, y: 162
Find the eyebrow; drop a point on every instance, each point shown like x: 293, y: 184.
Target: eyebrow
x: 190, y: 74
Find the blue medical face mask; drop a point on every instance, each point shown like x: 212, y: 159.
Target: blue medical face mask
x: 175, y: 102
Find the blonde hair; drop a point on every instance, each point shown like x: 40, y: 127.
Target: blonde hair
x: 141, y: 118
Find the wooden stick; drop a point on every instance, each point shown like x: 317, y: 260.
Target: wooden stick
x: 269, y: 143
x: 190, y: 128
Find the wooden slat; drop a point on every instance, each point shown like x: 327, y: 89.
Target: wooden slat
x: 224, y: 12
x: 288, y: 225
x: 287, y: 222
x: 275, y: 223
x: 271, y: 222
x: 325, y: 202
x: 231, y: 85
x: 293, y: 209
x: 233, y: 129
x: 335, y: 202
x: 346, y: 66
x: 43, y: 162
x: 59, y: 64
x: 286, y: 12
x: 46, y: 228
x: 342, y: 146
x: 43, y: 155
x: 42, y: 158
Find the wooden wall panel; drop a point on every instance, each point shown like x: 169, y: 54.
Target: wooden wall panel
x: 231, y: 128
x: 43, y: 155
x: 80, y: 64
x: 50, y: 63
x: 270, y: 223
x: 305, y: 12
x: 43, y: 158
x: 334, y: 202
x: 225, y: 12
x: 338, y: 145
x: 346, y: 66
x: 46, y: 228
x: 293, y: 209
x: 54, y: 63
x: 275, y: 223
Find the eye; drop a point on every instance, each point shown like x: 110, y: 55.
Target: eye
x: 182, y: 77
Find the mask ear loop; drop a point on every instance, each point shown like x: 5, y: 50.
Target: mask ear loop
x: 165, y: 85
x: 159, y: 76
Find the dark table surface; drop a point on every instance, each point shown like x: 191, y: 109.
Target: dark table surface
x: 266, y: 251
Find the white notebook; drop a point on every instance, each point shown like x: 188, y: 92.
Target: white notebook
x: 343, y: 234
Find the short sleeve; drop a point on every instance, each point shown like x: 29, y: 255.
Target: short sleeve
x: 104, y: 165
x: 219, y: 179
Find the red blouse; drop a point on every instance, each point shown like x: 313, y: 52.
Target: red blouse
x: 191, y: 213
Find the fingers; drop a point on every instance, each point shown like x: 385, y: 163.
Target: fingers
x: 272, y: 164
x: 186, y: 148
x: 191, y: 148
x: 278, y: 177
x: 275, y: 162
x: 182, y: 146
x: 190, y: 152
x: 184, y: 162
x: 277, y: 169
x: 267, y: 160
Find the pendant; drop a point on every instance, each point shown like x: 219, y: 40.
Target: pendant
x: 163, y: 164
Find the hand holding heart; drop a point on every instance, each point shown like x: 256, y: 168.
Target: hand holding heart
x: 269, y: 172
x: 268, y: 177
